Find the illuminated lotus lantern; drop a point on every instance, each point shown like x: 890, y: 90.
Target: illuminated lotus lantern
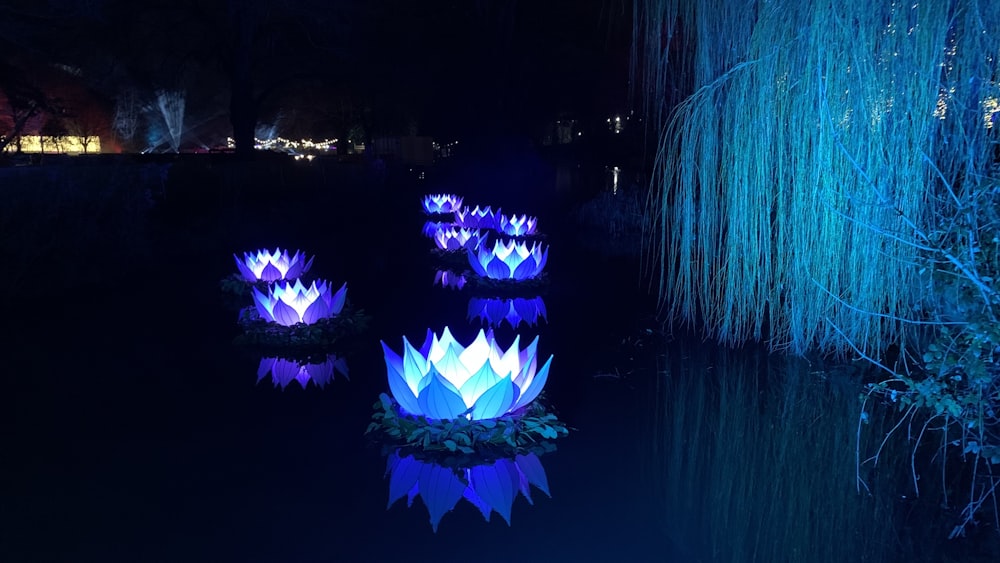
x: 272, y: 266
x: 452, y: 238
x: 431, y: 228
x: 287, y: 303
x: 489, y: 486
x: 517, y: 226
x: 442, y: 380
x: 494, y: 311
x: 285, y: 371
x: 509, y: 260
x: 476, y: 218
x: 442, y: 203
x: 449, y: 279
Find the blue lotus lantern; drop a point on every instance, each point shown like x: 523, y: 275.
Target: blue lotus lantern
x: 431, y: 228
x: 451, y: 238
x: 442, y: 203
x: 272, y: 266
x: 490, y: 487
x: 443, y: 380
x: 288, y: 303
x: 517, y: 226
x: 476, y: 218
x: 509, y: 260
x: 494, y: 311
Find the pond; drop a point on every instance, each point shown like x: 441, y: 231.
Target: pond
x: 142, y: 432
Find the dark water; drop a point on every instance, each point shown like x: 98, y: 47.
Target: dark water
x: 138, y: 431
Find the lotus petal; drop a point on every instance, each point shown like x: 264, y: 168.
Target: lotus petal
x: 496, y: 401
x: 440, y: 400
x: 400, y: 389
x: 533, y: 388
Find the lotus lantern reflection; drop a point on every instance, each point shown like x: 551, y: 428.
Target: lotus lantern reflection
x: 517, y: 226
x: 509, y: 260
x: 442, y: 203
x: 288, y: 303
x: 451, y: 238
x: 272, y: 266
x: 285, y: 371
x: 449, y: 279
x: 494, y: 311
x: 443, y: 380
x: 489, y: 486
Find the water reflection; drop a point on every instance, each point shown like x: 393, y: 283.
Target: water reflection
x: 319, y: 371
x: 491, y: 486
x: 449, y: 279
x: 757, y: 461
x: 495, y: 310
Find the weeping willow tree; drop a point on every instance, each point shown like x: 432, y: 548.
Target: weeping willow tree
x: 795, y: 184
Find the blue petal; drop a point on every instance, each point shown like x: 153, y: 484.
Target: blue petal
x: 476, y: 264
x: 496, y: 401
x: 497, y: 485
x: 339, y: 298
x: 284, y: 314
x: 525, y: 270
x: 404, y: 473
x: 440, y: 489
x: 531, y: 467
x: 270, y: 273
x: 531, y: 391
x: 397, y: 383
x: 497, y: 269
x: 439, y: 401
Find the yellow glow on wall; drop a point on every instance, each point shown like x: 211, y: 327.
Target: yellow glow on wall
x: 67, y: 144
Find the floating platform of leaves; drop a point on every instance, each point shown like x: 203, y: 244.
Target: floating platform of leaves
x: 319, y: 371
x: 453, y: 398
x: 491, y: 485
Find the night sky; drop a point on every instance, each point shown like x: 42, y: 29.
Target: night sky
x: 449, y: 69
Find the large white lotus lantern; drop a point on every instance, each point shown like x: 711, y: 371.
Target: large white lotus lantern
x: 452, y: 238
x: 517, y: 226
x: 491, y: 487
x: 284, y: 371
x: 509, y: 260
x: 288, y: 303
x: 476, y: 218
x: 443, y: 380
x: 272, y: 266
x: 442, y: 203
